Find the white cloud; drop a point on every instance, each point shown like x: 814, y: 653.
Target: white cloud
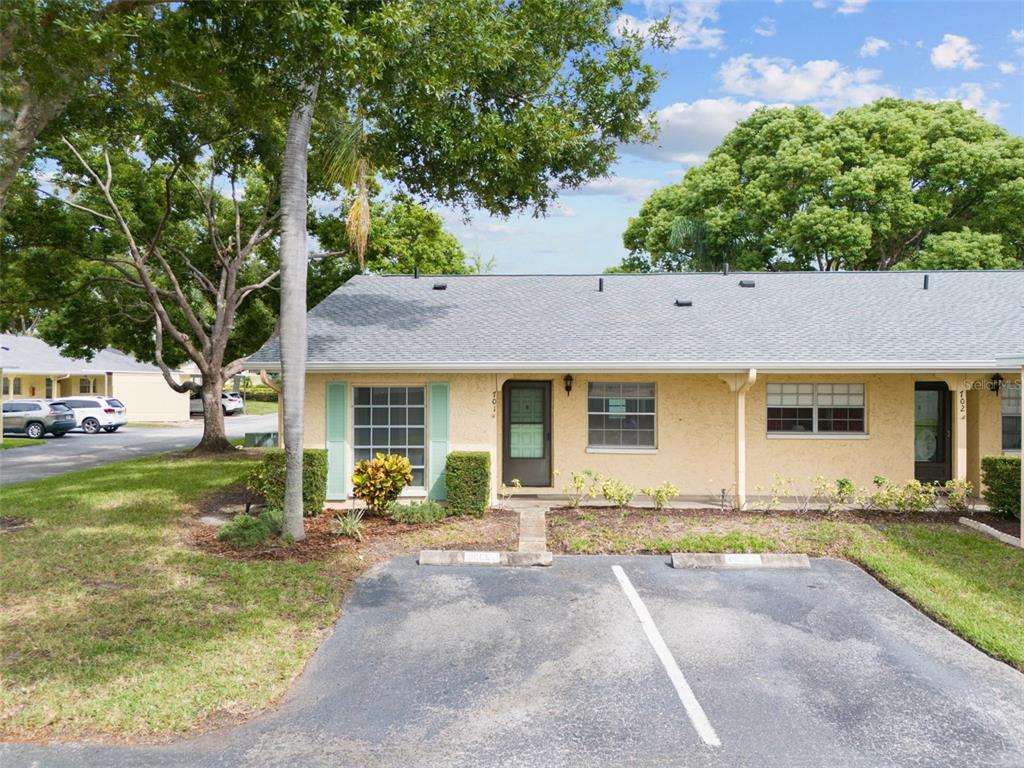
x: 823, y: 82
x: 690, y: 130
x: 689, y: 23
x: 630, y: 187
x: 1007, y: 67
x: 765, y: 27
x: 955, y: 52
x: 1017, y: 35
x: 847, y: 7
x: 498, y: 228
x: 559, y: 210
x: 971, y: 95
x: 873, y: 46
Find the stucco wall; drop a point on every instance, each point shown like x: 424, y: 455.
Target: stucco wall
x: 984, y: 430
x: 695, y: 429
x: 34, y: 385
x: 147, y: 397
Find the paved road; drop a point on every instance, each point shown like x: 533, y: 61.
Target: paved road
x: 77, y: 450
x: 552, y: 667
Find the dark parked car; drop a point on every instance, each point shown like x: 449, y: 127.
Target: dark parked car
x: 35, y: 418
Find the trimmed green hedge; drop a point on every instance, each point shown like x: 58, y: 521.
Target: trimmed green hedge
x: 267, y: 479
x: 1001, y: 478
x: 260, y: 392
x: 468, y: 482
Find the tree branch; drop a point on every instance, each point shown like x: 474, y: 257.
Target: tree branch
x: 76, y: 205
x: 242, y: 293
x: 159, y: 357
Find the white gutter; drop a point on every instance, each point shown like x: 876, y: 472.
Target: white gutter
x: 658, y: 366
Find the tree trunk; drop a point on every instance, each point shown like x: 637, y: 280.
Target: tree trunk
x: 214, y: 438
x: 34, y: 116
x: 292, y: 324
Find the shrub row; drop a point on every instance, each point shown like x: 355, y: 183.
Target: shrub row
x: 259, y: 392
x: 267, y: 479
x: 1001, y: 477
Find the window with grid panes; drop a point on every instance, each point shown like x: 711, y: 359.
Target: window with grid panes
x: 391, y: 420
x: 620, y: 415
x: 816, y: 408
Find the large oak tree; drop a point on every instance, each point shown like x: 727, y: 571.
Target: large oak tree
x: 888, y: 184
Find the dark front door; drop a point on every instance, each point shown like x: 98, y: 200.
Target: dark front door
x: 526, y: 449
x: 932, y: 432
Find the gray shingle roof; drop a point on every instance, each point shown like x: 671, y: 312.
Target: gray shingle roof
x: 29, y: 354
x: 791, y: 320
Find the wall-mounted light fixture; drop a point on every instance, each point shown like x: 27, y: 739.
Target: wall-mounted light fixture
x: 996, y: 383
x: 568, y: 383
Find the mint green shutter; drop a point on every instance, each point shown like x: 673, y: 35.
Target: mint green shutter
x: 438, y: 437
x: 337, y: 438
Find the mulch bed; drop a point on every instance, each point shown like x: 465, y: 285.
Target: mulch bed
x: 11, y: 524
x: 565, y: 523
x: 381, y: 537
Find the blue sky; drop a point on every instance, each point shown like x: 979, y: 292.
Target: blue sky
x: 731, y: 57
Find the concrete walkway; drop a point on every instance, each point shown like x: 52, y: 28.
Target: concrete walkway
x: 532, y: 530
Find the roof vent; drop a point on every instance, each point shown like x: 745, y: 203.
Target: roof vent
x: 600, y: 285
x: 926, y: 282
x: 416, y: 272
x: 440, y: 286
x: 746, y: 283
x: 725, y: 266
x: 684, y: 303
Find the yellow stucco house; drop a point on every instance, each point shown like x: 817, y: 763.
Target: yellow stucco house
x: 717, y: 382
x: 30, y: 368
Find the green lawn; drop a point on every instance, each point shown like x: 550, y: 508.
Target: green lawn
x: 109, y: 625
x: 970, y: 583
x: 18, y: 442
x: 259, y: 407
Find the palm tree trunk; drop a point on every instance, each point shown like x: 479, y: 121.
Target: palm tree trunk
x: 292, y: 328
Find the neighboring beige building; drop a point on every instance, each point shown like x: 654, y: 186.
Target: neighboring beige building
x: 30, y: 368
x: 718, y: 383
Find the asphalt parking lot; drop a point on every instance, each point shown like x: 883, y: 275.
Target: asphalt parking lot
x: 77, y: 450
x: 553, y: 667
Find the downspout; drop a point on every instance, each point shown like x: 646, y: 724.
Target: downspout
x: 741, y: 386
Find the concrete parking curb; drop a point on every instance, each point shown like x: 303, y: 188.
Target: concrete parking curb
x: 728, y: 560
x: 988, y: 530
x: 460, y: 557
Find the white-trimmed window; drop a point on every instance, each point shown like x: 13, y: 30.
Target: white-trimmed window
x: 620, y: 415
x: 816, y: 408
x: 84, y: 386
x: 1010, y: 407
x: 391, y: 420
x: 16, y: 390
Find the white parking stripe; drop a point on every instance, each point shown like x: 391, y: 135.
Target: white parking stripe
x: 693, y: 708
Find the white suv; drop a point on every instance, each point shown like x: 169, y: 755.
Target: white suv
x: 95, y: 413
